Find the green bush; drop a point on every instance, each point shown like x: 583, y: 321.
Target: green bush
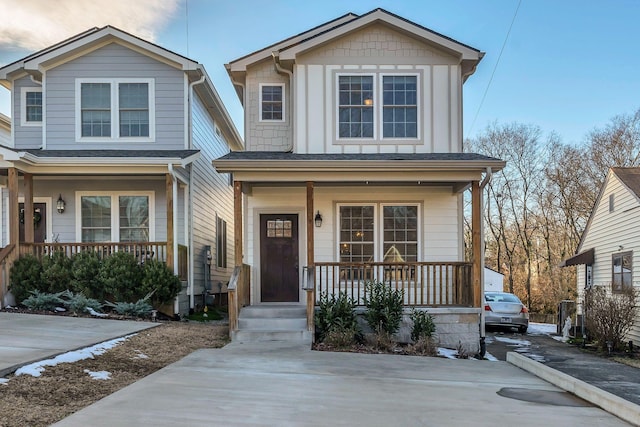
x: 78, y: 303
x: 423, y: 326
x: 24, y: 277
x: 140, y: 308
x: 121, y: 276
x: 336, y: 317
x: 384, y: 307
x: 56, y: 273
x: 160, y: 280
x: 43, y: 301
x: 85, y: 275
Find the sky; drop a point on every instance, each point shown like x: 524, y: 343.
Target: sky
x: 566, y: 66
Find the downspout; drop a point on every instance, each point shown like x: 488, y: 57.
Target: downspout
x: 283, y: 71
x: 483, y: 333
x: 174, y: 181
x: 191, y: 287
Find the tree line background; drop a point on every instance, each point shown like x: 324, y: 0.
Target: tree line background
x: 536, y: 209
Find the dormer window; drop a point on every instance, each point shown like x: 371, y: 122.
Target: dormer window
x: 31, y: 106
x: 271, y: 102
x: 364, y: 114
x: 115, y: 109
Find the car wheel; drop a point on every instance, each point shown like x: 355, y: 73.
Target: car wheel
x: 522, y: 329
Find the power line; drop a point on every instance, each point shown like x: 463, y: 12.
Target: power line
x: 495, y: 67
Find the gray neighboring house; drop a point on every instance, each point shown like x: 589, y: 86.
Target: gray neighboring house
x: 111, y: 144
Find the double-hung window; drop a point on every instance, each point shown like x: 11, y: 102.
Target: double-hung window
x: 622, y: 271
x: 363, y: 114
x: 271, y: 102
x: 112, y: 109
x: 31, y: 112
x: 116, y: 217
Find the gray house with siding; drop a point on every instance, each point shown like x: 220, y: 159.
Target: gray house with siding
x: 110, y: 144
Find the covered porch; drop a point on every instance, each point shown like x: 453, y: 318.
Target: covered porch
x: 103, y: 201
x: 326, y: 199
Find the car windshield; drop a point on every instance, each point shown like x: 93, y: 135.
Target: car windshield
x: 501, y: 298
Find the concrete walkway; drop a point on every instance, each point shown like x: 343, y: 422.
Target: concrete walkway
x: 271, y: 384
x: 27, y: 338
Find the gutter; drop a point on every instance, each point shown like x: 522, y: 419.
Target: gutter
x: 282, y: 71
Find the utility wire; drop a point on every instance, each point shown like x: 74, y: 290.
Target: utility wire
x: 495, y: 67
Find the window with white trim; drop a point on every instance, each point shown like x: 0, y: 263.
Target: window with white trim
x: 363, y: 114
x: 112, y: 109
x: 361, y: 234
x: 31, y: 101
x: 271, y: 102
x: 621, y: 271
x: 115, y: 217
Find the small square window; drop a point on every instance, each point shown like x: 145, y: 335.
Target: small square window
x: 272, y: 103
x: 31, y: 111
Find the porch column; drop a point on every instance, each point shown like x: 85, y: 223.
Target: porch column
x: 310, y: 293
x: 14, y: 211
x: 170, y: 225
x: 237, y: 223
x: 28, y: 207
x: 476, y: 242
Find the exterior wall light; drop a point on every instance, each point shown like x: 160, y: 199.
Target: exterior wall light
x: 318, y: 219
x: 60, y: 204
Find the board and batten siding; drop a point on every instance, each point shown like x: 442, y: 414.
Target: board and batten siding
x: 610, y: 230
x: 211, y: 195
x: 376, y: 50
x: 114, y: 61
x: 24, y: 136
x: 440, y: 232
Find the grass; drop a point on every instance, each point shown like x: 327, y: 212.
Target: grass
x: 212, y: 313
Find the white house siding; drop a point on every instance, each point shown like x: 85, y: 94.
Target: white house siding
x: 211, y: 195
x: 25, y: 136
x: 610, y: 230
x: 439, y: 210
x: 266, y: 136
x: 114, y: 61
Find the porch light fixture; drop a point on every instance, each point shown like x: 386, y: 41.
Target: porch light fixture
x: 318, y: 219
x: 60, y: 204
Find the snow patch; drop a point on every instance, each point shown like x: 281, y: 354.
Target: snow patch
x: 36, y: 369
x: 490, y: 357
x: 542, y: 329
x: 140, y: 355
x: 448, y: 353
x: 100, y: 375
x: 4, y: 381
x: 92, y: 312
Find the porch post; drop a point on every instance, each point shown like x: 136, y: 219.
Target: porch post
x: 237, y: 223
x: 476, y: 242
x: 170, y: 225
x: 310, y: 293
x: 14, y: 212
x: 28, y: 207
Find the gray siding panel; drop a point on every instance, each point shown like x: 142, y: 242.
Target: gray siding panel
x: 211, y: 195
x: 25, y: 136
x: 122, y: 63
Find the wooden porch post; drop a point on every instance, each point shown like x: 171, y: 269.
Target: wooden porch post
x: 170, y: 225
x: 476, y: 242
x: 14, y: 212
x: 28, y: 207
x: 237, y: 223
x: 310, y: 254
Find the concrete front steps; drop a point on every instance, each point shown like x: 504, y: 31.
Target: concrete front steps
x: 273, y: 323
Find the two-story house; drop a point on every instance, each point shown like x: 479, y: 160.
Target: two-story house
x: 354, y: 170
x: 111, y: 144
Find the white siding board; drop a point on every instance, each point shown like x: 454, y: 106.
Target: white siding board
x: 315, y: 120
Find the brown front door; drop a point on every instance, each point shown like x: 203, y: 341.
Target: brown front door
x: 39, y: 222
x: 279, y: 258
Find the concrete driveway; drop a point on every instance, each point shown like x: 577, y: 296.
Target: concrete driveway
x: 272, y: 384
x: 26, y: 338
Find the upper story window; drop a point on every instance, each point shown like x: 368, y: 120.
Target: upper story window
x: 612, y: 201
x: 271, y: 102
x: 113, y: 109
x: 31, y: 101
x: 355, y: 109
x: 362, y: 115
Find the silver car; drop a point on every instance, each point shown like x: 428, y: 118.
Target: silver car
x: 506, y: 310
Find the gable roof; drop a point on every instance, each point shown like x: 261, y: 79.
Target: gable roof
x: 95, y: 38
x: 289, y: 49
x: 630, y: 178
